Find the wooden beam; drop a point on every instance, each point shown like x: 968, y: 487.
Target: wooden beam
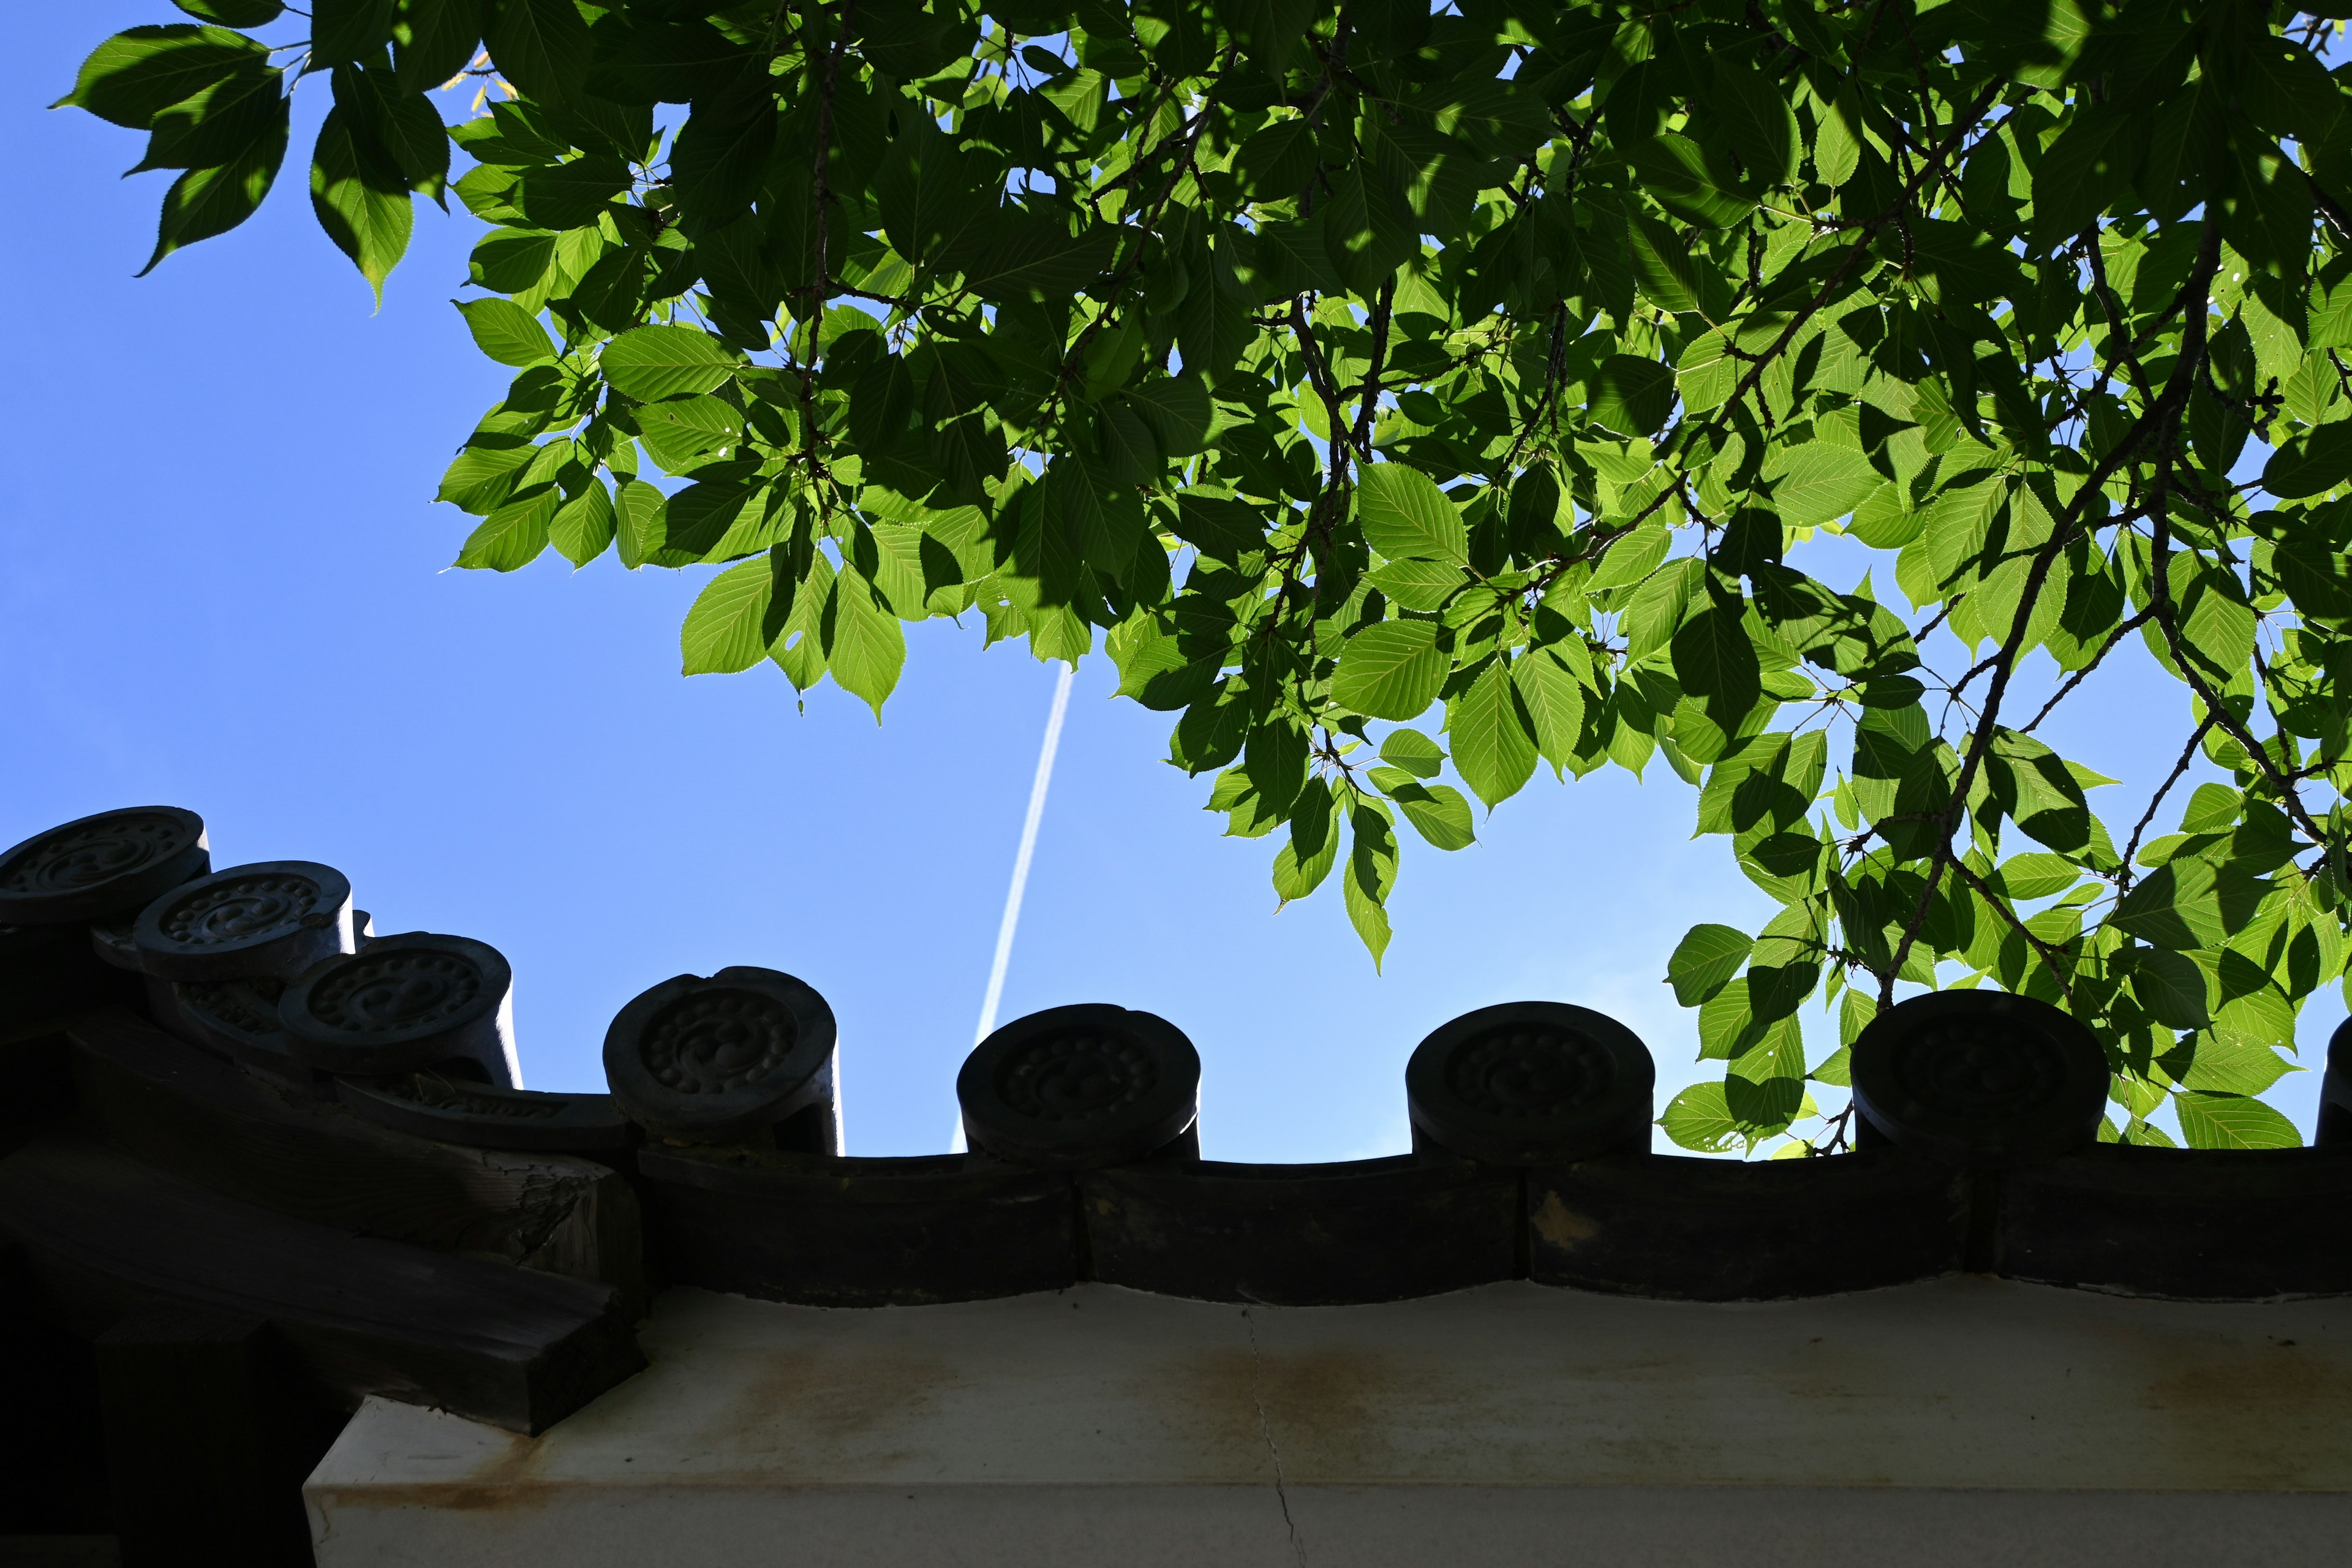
x: 109, y: 1235
x: 206, y: 1119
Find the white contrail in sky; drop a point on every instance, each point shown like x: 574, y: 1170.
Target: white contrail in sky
x: 1020, y: 872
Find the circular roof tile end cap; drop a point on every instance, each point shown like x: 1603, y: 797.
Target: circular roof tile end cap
x: 408, y: 1002
x: 112, y: 863
x: 1532, y: 1083
x: 1980, y: 1077
x: 1080, y: 1088
x: 272, y: 918
x: 716, y: 1060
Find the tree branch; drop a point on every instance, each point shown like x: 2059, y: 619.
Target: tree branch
x: 2115, y: 636
x: 2051, y: 957
x: 2161, y: 421
x: 820, y: 289
x: 1369, y: 394
x: 2187, y: 753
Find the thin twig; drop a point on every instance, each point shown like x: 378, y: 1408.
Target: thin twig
x: 1861, y: 247
x: 1327, y: 386
x: 2187, y: 754
x: 2121, y: 632
x: 2161, y: 421
x: 2052, y: 957
x: 819, y: 289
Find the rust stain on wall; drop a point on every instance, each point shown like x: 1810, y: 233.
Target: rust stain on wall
x: 1209, y: 1399
x: 505, y: 1480
x: 1562, y: 1226
x: 827, y: 1403
x: 2276, y: 1416
x: 1330, y: 1411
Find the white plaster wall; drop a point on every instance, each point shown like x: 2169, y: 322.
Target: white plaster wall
x: 1963, y: 1421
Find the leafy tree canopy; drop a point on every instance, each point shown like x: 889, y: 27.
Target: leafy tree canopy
x: 1389, y: 393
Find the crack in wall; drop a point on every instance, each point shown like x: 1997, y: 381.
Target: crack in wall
x: 1265, y: 1429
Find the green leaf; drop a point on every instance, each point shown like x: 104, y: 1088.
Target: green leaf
x: 1705, y: 961
x: 572, y: 194
x: 540, y: 45
x: 505, y: 331
x: 1413, y: 752
x: 1673, y: 169
x: 363, y: 204
x: 1837, y: 144
x: 1277, y: 163
x: 799, y: 650
x: 1276, y: 754
x: 1705, y: 373
x: 719, y: 160
x: 1313, y: 846
x: 1294, y: 258
x: 507, y: 138
x: 1753, y: 105
x: 1371, y: 874
x: 233, y: 13
x: 2317, y: 576
x: 1822, y: 482
x: 485, y: 469
x: 727, y: 630
x: 639, y: 524
x: 684, y: 432
x: 1662, y: 265
x: 512, y: 537
x: 510, y: 261
x: 214, y: 125
x: 1438, y: 812
x: 1419, y: 585
x: 2233, y: 1121
x: 930, y: 203
x: 136, y: 75
x: 203, y: 203
x: 349, y: 29
x: 656, y: 362
x: 584, y: 526
x: 2224, y: 1066
x: 1632, y: 396
x: 1034, y: 258
x: 432, y: 40
x: 1225, y: 530
x: 1715, y: 658
x: 1699, y: 1119
x: 1493, y: 737
x: 2311, y: 465
x: 1554, y: 700
x: 1405, y: 516
x: 864, y: 642
x: 1177, y: 410
x: 2090, y: 165
x: 2035, y: 876
x: 401, y: 131
x: 1391, y: 671
x: 1630, y: 559
x: 2171, y: 987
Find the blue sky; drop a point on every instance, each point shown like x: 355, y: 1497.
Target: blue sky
x: 223, y: 585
